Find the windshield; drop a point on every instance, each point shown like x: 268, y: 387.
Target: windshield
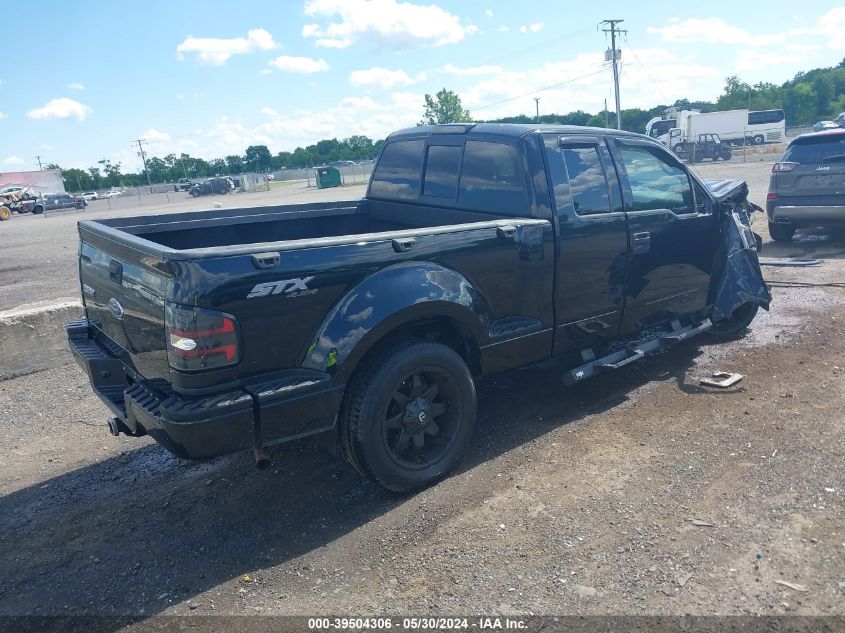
x: 818, y: 149
x: 659, y: 128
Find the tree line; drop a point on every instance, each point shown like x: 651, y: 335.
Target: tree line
x: 808, y: 97
x: 256, y: 158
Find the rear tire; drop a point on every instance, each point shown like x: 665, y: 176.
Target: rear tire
x: 408, y: 414
x: 758, y: 139
x: 5, y: 213
x: 38, y: 210
x: 737, y: 323
x: 781, y: 232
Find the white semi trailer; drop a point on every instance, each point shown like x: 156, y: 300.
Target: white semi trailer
x: 730, y: 125
x: 733, y: 126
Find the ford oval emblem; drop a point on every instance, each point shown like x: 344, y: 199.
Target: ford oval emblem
x: 116, y: 308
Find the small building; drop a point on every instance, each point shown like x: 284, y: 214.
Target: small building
x: 46, y: 181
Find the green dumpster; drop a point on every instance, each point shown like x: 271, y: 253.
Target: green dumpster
x: 327, y: 177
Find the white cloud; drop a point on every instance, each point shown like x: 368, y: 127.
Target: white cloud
x: 489, y: 13
x: 329, y: 42
x: 388, y: 22
x: 3, y: 115
x: 587, y: 82
x: 831, y: 26
x: 213, y: 50
x: 449, y: 69
x: 305, y: 65
x: 16, y: 161
x: 383, y: 77
x: 269, y: 111
x: 707, y: 30
x: 76, y: 86
x: 155, y: 136
x: 712, y: 31
x: 504, y: 28
x: 533, y: 28
x: 757, y: 59
x: 61, y: 108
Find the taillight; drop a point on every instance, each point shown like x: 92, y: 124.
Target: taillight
x: 771, y: 196
x: 200, y: 339
x: 782, y: 166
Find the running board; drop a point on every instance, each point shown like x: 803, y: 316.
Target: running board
x: 632, y: 353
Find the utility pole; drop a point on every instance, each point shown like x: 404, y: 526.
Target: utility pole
x: 606, y: 122
x: 615, y: 57
x: 140, y: 142
x: 537, y: 103
x: 40, y: 168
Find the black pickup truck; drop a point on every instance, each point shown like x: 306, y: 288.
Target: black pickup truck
x: 478, y: 248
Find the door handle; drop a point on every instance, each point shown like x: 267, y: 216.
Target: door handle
x: 507, y: 232
x: 403, y: 246
x: 641, y: 242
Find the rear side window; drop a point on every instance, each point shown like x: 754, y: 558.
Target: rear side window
x: 441, y: 171
x: 656, y: 183
x: 492, y: 179
x: 821, y: 149
x: 397, y: 174
x: 586, y: 180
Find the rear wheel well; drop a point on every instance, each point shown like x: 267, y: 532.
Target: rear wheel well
x: 443, y: 330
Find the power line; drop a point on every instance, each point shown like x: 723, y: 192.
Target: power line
x: 536, y: 90
x: 557, y: 39
x: 615, y: 57
x: 645, y: 70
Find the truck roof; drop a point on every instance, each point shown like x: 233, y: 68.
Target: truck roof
x: 509, y: 130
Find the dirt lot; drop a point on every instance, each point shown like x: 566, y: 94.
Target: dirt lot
x: 639, y: 492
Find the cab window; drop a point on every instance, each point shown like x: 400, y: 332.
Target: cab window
x: 657, y: 181
x: 441, y: 171
x: 397, y: 175
x: 492, y: 179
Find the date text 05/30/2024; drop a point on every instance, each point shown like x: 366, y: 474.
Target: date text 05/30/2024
x: 417, y: 624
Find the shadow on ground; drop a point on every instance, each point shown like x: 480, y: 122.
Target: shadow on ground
x: 811, y: 243
x: 137, y: 533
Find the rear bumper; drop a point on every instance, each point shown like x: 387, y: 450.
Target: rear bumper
x: 806, y: 214
x: 293, y: 404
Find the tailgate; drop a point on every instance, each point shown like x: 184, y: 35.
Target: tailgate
x: 826, y: 179
x: 126, y: 302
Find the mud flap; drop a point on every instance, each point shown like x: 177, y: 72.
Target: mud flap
x: 739, y: 280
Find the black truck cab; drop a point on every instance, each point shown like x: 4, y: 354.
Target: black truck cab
x: 478, y: 248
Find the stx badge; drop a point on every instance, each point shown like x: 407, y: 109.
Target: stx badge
x: 291, y: 287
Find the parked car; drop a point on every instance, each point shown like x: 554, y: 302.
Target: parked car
x: 53, y: 202
x: 840, y: 119
x: 807, y: 185
x: 9, y: 189
x: 88, y: 196
x: 824, y: 125
x: 114, y: 193
x: 183, y: 184
x: 478, y: 248
x: 706, y: 146
x: 210, y: 186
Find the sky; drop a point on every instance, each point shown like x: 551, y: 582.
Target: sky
x: 210, y: 80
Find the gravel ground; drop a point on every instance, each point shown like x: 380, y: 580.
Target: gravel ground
x: 639, y: 492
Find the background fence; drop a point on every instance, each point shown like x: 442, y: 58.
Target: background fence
x: 350, y: 174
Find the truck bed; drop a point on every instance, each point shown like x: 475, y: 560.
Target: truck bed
x: 238, y: 229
